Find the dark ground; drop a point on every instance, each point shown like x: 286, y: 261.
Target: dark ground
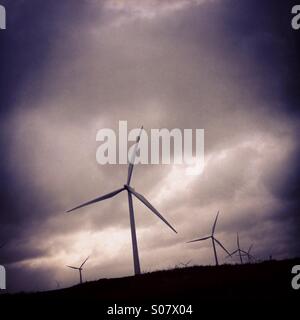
x: 259, y: 289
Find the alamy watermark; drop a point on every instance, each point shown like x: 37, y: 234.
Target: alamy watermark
x: 2, y: 17
x: 161, y: 146
x: 2, y: 278
x: 296, y: 18
x: 296, y: 279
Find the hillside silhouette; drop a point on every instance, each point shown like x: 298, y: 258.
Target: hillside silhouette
x: 265, y: 285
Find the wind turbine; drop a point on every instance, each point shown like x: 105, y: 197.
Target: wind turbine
x: 249, y: 256
x: 185, y: 265
x: 240, y: 252
x: 130, y: 192
x: 213, y: 240
x: 57, y: 284
x: 79, y: 269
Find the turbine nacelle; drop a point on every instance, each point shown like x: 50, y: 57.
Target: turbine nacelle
x: 128, y: 187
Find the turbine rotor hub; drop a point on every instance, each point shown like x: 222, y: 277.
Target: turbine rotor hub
x: 127, y: 187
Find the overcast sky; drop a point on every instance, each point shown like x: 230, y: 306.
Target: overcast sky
x: 69, y: 68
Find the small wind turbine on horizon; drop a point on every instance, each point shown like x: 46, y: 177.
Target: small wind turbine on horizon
x: 79, y: 269
x: 239, y: 251
x: 57, y: 284
x: 213, y: 240
x: 130, y: 192
x: 249, y: 256
x: 186, y: 264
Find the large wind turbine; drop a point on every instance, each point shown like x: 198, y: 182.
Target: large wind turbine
x: 130, y: 192
x: 213, y: 240
x: 79, y: 269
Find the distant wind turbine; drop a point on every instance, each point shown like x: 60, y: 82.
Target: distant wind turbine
x: 249, y: 256
x: 57, y: 284
x: 213, y: 240
x: 185, y: 265
x: 239, y: 251
x: 79, y: 269
x: 130, y: 192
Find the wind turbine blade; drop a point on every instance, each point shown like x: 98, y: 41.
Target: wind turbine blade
x: 238, y: 240
x: 73, y: 267
x: 201, y: 239
x: 106, y: 196
x: 131, y: 161
x: 84, y: 262
x: 232, y: 253
x: 130, y: 169
x: 149, y: 205
x: 214, y: 226
x: 220, y: 244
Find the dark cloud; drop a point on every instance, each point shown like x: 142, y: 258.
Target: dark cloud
x: 73, y: 67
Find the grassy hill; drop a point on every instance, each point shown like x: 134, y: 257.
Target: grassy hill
x: 264, y: 286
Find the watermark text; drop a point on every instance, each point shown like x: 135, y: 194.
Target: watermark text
x: 161, y: 146
x: 2, y: 17
x: 2, y: 278
x: 296, y: 17
x: 296, y: 278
